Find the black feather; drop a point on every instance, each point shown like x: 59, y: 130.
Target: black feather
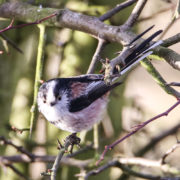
x: 85, y: 100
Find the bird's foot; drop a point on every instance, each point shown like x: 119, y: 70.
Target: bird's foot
x: 72, y: 140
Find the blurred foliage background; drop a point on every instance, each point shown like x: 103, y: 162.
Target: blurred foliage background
x: 68, y: 53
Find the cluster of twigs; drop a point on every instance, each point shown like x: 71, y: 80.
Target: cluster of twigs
x: 124, y: 35
x: 120, y: 162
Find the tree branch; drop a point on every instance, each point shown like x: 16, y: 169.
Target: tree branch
x: 88, y: 24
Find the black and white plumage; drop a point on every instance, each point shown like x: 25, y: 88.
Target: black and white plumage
x: 76, y: 103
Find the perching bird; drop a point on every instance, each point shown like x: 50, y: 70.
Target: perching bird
x: 76, y: 103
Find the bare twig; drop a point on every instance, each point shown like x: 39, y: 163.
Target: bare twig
x: 135, y: 13
x: 126, y: 169
x: 137, y: 128
x: 123, y: 164
x: 11, y: 43
x: 101, y: 169
x: 174, y: 84
x: 27, y: 24
x: 166, y: 168
x: 6, y: 160
x: 18, y: 148
x: 157, y: 139
x: 18, y: 130
x: 173, y: 20
x: 66, y: 160
x: 171, y: 150
x: 17, y: 172
x: 81, y: 150
x: 115, y: 10
x: 101, y: 45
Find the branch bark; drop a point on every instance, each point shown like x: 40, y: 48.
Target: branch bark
x: 88, y: 24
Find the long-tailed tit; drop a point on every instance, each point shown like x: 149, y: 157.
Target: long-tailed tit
x: 76, y: 103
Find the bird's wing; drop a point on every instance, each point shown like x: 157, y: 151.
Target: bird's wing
x: 93, y: 91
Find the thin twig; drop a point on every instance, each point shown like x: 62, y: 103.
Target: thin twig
x: 101, y: 169
x: 115, y: 10
x: 18, y: 148
x: 17, y: 172
x: 123, y: 164
x: 136, y: 161
x: 101, y: 45
x: 81, y: 150
x: 66, y: 160
x: 135, y: 13
x: 136, y: 128
x: 174, y: 84
x: 18, y: 130
x: 168, y: 26
x: 173, y: 20
x: 27, y: 24
x: 11, y: 43
x: 171, y: 150
x: 157, y: 139
x: 38, y: 76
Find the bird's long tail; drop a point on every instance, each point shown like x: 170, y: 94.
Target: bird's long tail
x: 140, y: 51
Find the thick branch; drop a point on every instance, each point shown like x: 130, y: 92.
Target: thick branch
x: 171, y: 41
x: 77, y: 21
x: 170, y: 56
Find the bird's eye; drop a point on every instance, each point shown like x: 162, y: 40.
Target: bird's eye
x: 59, y: 97
x: 44, y: 98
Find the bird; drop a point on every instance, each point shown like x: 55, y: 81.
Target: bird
x: 76, y: 103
